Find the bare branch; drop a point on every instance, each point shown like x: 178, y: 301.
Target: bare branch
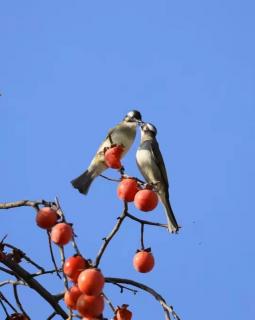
x: 12, y: 282
x: 62, y: 254
x: 109, y: 179
x: 3, y: 298
x: 3, y: 306
x: 109, y: 302
x: 111, y: 235
x: 167, y: 309
x: 7, y: 271
x: 52, y: 256
x: 156, y: 224
x: 75, y: 246
x: 52, y: 316
x: 41, y: 273
x: 25, y: 203
x: 34, y: 284
x: 122, y: 288
x: 23, y: 256
x: 15, y: 291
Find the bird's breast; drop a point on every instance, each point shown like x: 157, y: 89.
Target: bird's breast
x: 147, y: 165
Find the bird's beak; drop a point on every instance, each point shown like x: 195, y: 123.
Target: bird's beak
x: 140, y: 123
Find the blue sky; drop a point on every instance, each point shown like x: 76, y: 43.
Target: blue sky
x: 70, y: 70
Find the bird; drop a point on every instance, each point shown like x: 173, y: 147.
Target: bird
x: 122, y: 134
x: 151, y: 165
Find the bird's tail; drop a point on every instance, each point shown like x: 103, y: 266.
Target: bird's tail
x: 171, y: 221
x: 83, y: 182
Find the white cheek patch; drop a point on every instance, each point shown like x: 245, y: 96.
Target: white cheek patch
x: 131, y: 114
x: 151, y: 128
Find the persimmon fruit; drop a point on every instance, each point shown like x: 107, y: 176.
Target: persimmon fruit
x: 112, y: 157
x: 90, y: 306
x: 17, y: 316
x: 46, y: 218
x: 71, y: 296
x: 143, y: 261
x: 123, y: 313
x: 127, y: 189
x: 146, y: 200
x: 91, y: 282
x: 61, y: 233
x: 73, y: 266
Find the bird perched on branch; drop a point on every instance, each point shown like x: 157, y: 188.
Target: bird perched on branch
x: 151, y: 165
x: 123, y: 134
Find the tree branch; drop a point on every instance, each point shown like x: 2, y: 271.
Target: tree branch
x: 167, y: 309
x: 156, y: 224
x: 52, y: 255
x: 111, y: 235
x: 34, y: 284
x: 19, y: 304
x: 25, y: 203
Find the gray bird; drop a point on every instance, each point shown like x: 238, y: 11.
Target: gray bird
x: 151, y: 165
x: 123, y: 134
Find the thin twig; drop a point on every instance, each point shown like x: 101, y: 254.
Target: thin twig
x: 109, y: 302
x: 75, y: 246
x: 12, y: 282
x: 25, y: 203
x: 59, y: 210
x: 3, y: 306
x: 42, y: 273
x: 24, y: 256
x: 109, y: 179
x: 63, y: 259
x: 52, y: 316
x: 52, y: 255
x: 19, y: 304
x: 156, y: 224
x: 111, y: 235
x: 2, y: 297
x: 122, y: 288
x: 7, y: 271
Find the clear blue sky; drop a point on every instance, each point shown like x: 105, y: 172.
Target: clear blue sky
x: 69, y: 71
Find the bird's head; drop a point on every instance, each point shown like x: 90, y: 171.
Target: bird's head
x: 133, y: 116
x: 148, y: 129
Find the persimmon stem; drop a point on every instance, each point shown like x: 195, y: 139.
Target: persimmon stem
x: 142, y: 238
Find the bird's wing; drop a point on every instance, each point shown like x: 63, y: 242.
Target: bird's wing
x: 109, y: 135
x: 160, y: 162
x: 107, y: 142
